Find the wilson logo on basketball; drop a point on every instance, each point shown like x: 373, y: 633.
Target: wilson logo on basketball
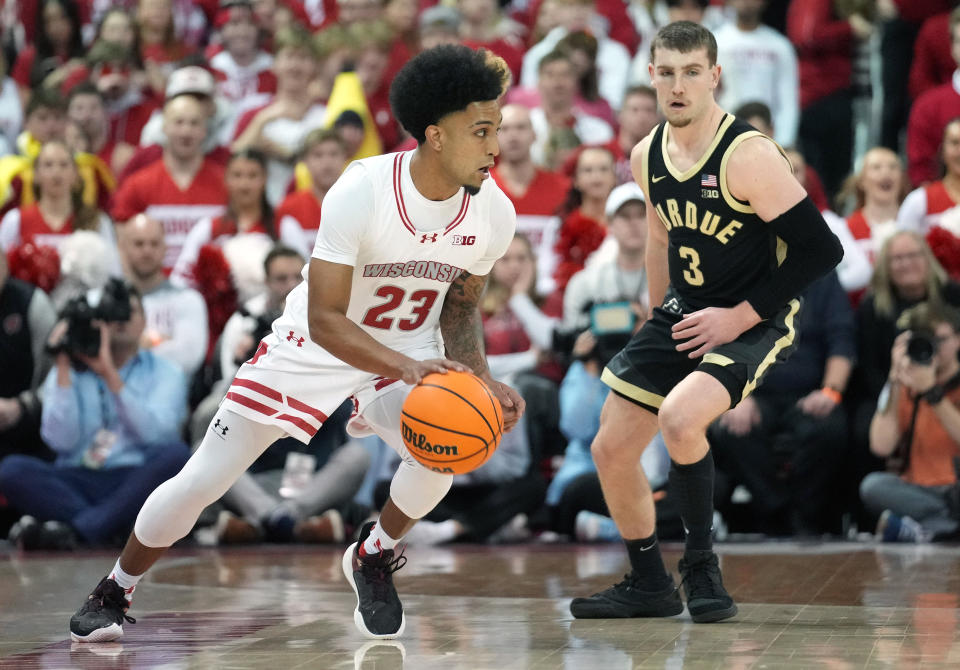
x: 415, y: 439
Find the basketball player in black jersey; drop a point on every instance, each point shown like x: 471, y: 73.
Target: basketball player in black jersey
x: 733, y: 240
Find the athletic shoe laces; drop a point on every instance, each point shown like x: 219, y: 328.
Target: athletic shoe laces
x: 378, y: 572
x: 703, y: 577
x: 112, y: 599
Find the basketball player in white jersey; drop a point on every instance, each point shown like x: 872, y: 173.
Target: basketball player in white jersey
x: 403, y: 251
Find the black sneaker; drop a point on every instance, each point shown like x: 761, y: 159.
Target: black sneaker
x: 28, y: 534
x: 379, y: 613
x: 707, y: 600
x: 101, y: 617
x: 626, y: 600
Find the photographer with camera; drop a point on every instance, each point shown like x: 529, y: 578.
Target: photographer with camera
x: 112, y: 414
x: 917, y: 427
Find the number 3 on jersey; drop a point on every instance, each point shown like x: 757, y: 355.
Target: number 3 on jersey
x: 692, y: 274
x: 376, y: 317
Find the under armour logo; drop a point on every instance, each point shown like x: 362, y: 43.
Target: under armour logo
x: 293, y: 338
x: 428, y: 238
x: 223, y: 428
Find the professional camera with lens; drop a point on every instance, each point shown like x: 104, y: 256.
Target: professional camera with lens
x: 921, y: 347
x: 82, y: 337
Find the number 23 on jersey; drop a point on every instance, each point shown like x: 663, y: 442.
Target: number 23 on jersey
x: 420, y: 301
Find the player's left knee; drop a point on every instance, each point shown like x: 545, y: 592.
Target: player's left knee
x: 416, y: 490
x: 679, y: 427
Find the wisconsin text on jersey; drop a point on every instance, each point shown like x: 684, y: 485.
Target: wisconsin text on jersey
x: 420, y: 269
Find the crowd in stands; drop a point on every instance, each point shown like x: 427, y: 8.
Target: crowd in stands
x: 163, y: 165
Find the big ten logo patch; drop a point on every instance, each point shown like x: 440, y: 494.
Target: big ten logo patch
x: 465, y: 240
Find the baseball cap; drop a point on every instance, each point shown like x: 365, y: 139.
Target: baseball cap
x: 191, y: 79
x: 440, y: 16
x: 621, y: 195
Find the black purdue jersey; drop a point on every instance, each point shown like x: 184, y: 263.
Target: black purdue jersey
x: 718, y: 247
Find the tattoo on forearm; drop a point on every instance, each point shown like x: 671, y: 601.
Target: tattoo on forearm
x: 460, y: 322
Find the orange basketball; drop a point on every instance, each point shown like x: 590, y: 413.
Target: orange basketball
x: 451, y: 422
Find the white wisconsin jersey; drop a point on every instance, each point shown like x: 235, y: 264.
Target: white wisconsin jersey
x: 405, y: 251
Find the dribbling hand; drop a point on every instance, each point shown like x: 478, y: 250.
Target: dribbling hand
x: 511, y: 403
x: 415, y: 371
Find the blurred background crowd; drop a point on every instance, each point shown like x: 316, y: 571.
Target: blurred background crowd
x: 163, y: 165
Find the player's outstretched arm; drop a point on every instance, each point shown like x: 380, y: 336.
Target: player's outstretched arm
x: 329, y: 297
x: 462, y: 331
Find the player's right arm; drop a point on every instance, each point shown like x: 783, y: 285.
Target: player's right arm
x: 658, y: 275
x: 329, y: 297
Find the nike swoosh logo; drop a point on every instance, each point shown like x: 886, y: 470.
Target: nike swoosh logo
x: 656, y: 179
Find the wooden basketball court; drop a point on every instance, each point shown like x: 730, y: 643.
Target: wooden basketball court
x: 492, y: 608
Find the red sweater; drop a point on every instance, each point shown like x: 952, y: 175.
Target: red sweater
x: 929, y: 116
x: 823, y: 44
x: 915, y: 11
x: 932, y: 62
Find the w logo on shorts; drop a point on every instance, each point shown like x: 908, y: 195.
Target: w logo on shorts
x: 672, y: 305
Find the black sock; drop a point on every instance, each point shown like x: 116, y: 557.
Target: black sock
x: 647, y: 563
x: 693, y: 487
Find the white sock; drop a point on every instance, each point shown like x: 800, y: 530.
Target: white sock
x: 378, y: 541
x: 127, y: 582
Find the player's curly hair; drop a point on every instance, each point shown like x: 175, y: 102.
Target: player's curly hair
x: 444, y: 80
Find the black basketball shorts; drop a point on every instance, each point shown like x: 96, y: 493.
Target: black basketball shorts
x: 648, y: 368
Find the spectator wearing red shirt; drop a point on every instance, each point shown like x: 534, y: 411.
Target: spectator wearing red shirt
x: 159, y: 46
x: 536, y: 193
x: 325, y: 155
x: 113, y: 70
x: 401, y: 16
x: 182, y: 187
x: 936, y: 203
x: 932, y: 59
x: 279, y: 127
x: 243, y: 70
x: 197, y: 82
x: 57, y: 50
x: 584, y: 215
x: 247, y: 213
x: 902, y: 20
x: 879, y: 188
x: 637, y: 118
x: 825, y: 44
x: 87, y: 108
x: 930, y: 114
x: 45, y: 121
x: 483, y: 24
x: 59, y: 209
